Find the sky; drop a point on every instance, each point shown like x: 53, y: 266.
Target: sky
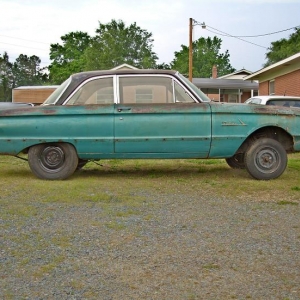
x: 31, y: 26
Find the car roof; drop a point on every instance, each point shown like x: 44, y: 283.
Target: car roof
x: 264, y: 98
x: 89, y: 74
x: 276, y: 97
x: 78, y: 78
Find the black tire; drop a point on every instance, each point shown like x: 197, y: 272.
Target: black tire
x: 53, y: 161
x: 265, y: 159
x: 236, y: 161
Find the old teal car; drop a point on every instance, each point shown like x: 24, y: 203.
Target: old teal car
x: 128, y: 114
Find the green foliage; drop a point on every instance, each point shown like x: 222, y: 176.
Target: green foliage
x: 6, y: 78
x: 24, y: 71
x: 283, y: 48
x: 163, y: 66
x: 115, y: 44
x: 68, y: 58
x: 206, y: 53
x: 27, y: 71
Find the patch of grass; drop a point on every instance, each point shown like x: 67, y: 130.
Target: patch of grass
x: 211, y: 266
x: 48, y: 268
x: 119, y: 182
x: 295, y: 188
x: 284, y: 202
x: 115, y: 225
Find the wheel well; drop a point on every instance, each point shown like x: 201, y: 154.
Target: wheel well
x: 25, y: 151
x: 275, y: 133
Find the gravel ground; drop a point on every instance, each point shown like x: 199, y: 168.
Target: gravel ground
x: 171, y: 246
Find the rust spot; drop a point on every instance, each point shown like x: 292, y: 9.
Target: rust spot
x: 49, y: 111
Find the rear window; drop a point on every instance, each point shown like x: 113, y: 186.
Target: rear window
x: 284, y: 102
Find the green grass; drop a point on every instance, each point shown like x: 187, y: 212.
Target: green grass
x: 113, y: 182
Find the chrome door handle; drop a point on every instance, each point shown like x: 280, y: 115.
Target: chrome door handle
x: 123, y: 108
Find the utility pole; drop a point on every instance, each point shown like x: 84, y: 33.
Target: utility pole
x: 191, y: 50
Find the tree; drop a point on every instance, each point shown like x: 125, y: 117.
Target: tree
x: 163, y: 66
x: 24, y: 71
x: 115, y: 44
x: 283, y: 48
x: 27, y: 71
x: 6, y: 78
x: 68, y: 58
x: 206, y: 53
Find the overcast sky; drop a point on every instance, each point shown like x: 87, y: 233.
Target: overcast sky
x: 30, y: 26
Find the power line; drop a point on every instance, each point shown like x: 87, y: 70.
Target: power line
x: 23, y: 39
x: 220, y: 32
x: 24, y: 46
x: 238, y: 39
x: 249, y: 36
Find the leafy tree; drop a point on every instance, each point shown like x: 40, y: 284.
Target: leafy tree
x: 283, y: 48
x: 68, y: 58
x: 6, y: 78
x: 27, y: 71
x: 115, y: 44
x: 163, y: 66
x: 206, y: 53
x: 24, y: 71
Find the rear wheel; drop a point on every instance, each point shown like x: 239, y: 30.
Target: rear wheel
x: 265, y: 159
x: 53, y: 161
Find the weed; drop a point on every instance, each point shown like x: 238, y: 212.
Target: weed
x: 296, y: 188
x: 211, y: 266
x: 284, y: 202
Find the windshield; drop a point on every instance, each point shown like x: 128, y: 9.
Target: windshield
x: 199, y: 93
x: 56, y: 94
x: 253, y: 101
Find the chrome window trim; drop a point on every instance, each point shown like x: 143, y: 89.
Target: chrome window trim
x: 173, y: 79
x: 85, y: 82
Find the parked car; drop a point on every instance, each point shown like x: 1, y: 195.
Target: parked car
x: 287, y: 101
x: 123, y: 114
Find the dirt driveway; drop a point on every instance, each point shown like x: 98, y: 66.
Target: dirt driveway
x: 148, y: 234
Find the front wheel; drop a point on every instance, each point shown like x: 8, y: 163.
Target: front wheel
x: 53, y: 161
x: 265, y: 159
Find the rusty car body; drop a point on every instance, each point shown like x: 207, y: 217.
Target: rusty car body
x: 125, y: 114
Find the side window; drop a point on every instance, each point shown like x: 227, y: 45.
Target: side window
x: 95, y: 91
x: 145, y: 89
x: 181, y: 95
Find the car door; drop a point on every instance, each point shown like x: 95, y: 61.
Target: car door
x: 156, y: 117
x: 94, y: 125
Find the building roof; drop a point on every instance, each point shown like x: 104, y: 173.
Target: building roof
x: 284, y: 66
x: 240, y: 73
x: 37, y: 87
x: 124, y: 66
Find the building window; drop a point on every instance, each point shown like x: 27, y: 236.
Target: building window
x: 232, y: 98
x: 272, y: 87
